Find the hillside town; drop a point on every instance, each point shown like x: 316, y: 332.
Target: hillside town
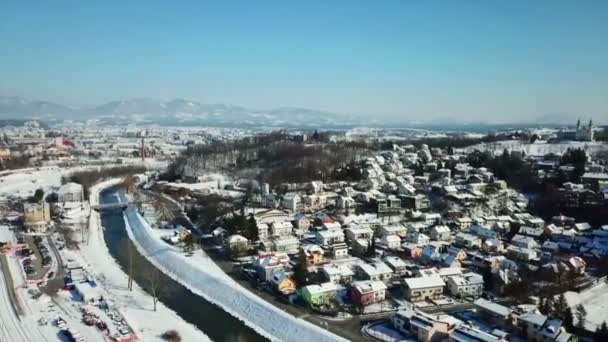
x: 416, y: 242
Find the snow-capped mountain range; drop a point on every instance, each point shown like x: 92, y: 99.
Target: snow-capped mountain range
x: 175, y: 112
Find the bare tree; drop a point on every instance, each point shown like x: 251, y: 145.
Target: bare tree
x: 131, y: 265
x: 156, y: 281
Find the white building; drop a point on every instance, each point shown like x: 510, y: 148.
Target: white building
x: 292, y: 201
x: 329, y: 237
x: 466, y: 285
x: 70, y: 192
x: 284, y: 228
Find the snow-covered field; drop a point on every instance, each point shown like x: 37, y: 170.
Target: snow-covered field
x: 203, y: 277
x: 136, y: 305
x: 595, y: 301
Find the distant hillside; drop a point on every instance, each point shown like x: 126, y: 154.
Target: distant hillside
x: 174, y: 112
x: 19, y: 123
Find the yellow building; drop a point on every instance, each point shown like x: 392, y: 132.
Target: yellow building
x: 36, y: 216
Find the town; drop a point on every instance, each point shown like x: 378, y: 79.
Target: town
x: 365, y: 234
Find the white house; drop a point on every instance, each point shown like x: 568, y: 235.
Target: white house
x: 391, y: 241
x: 292, y: 201
x: 329, y: 237
x: 466, y: 285
x: 468, y: 240
x: 70, y: 192
x: 441, y: 233
x: 283, y: 228
x: 337, y: 273
x: 376, y: 271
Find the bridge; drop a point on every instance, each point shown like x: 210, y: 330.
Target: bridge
x: 110, y: 206
x: 116, y: 205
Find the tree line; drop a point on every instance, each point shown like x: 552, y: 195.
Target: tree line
x: 88, y: 178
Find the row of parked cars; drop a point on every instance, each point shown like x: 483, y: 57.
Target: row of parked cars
x: 45, y: 255
x: 44, y: 251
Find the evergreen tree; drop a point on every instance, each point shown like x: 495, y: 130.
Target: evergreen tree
x: 559, y: 306
x: 252, y: 228
x: 542, y: 304
x: 581, y: 316
x: 601, y: 333
x: 568, y: 319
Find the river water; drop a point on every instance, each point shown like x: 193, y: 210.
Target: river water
x: 209, y: 318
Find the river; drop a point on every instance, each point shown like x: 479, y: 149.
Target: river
x: 209, y: 318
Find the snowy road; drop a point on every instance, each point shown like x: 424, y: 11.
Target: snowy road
x: 202, y: 276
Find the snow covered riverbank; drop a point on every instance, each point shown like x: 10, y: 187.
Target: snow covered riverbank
x: 202, y: 276
x: 136, y: 305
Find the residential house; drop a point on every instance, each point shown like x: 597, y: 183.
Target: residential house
x: 394, y: 229
x: 311, y: 255
x: 533, y: 232
x: 266, y: 264
x: 521, y: 253
x: 431, y: 254
x: 463, y: 223
x: 339, y: 250
x: 329, y: 237
x: 288, y: 244
x: 423, y: 288
x: 318, y: 295
x: 524, y: 241
x: 466, y: 285
x: 283, y: 228
x: 396, y: 264
x: 367, y: 292
x: 467, y: 240
x: 374, y: 271
x: 577, y: 265
x: 418, y: 238
x: 538, y: 327
x: 431, y: 218
x: 391, y: 241
x: 492, y: 246
x: 337, y: 273
x: 301, y: 222
x: 262, y: 231
x: 494, y: 313
x: 283, y: 282
x: 411, y: 250
x: 421, y: 326
x: 358, y: 232
x: 483, y: 233
x: 444, y: 273
x: 441, y: 233
x: 292, y: 201
x: 332, y: 225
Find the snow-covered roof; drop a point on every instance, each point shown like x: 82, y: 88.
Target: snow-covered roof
x: 424, y: 282
x: 70, y: 187
x: 321, y: 288
x: 492, y: 307
x: 368, y: 286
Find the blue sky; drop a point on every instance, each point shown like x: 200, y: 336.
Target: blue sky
x: 495, y: 61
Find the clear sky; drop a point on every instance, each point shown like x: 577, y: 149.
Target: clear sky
x: 474, y: 60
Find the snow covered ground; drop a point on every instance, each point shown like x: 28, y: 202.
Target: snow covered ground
x: 136, y: 305
x: 537, y: 148
x: 202, y: 276
x: 36, y: 310
x: 595, y: 301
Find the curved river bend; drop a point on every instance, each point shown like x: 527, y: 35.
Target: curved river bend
x: 209, y: 318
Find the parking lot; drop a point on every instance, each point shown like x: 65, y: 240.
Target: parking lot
x: 36, y: 257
